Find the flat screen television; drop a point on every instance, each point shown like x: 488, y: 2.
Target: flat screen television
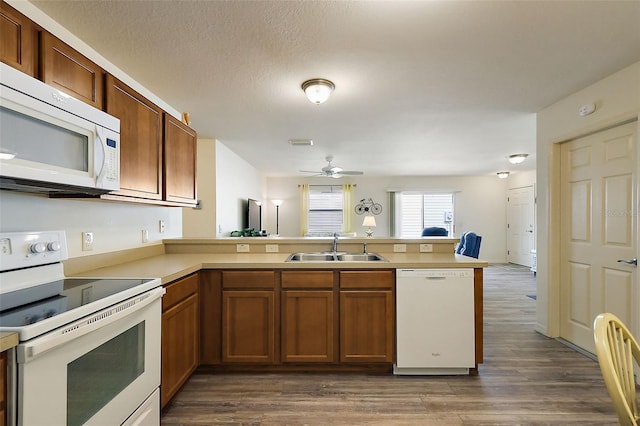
x: 254, y: 215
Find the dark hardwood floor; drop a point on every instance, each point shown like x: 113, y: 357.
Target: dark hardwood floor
x: 526, y: 378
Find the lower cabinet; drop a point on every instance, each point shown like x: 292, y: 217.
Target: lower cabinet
x: 366, y: 316
x: 308, y: 317
x: 3, y: 388
x: 249, y: 313
x: 180, y: 335
x: 291, y: 317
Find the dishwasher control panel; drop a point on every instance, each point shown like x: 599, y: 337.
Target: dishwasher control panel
x: 435, y: 273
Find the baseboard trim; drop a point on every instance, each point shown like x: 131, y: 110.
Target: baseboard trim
x: 577, y: 349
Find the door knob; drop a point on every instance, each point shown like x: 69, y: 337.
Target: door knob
x: 633, y: 261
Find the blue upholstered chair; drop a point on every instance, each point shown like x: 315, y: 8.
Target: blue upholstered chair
x: 434, y: 231
x: 469, y: 244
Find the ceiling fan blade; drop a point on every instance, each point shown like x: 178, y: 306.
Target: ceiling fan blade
x: 351, y: 172
x: 310, y: 171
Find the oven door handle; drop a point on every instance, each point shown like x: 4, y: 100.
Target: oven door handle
x: 37, y: 347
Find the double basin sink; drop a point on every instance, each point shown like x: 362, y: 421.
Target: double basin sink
x: 335, y: 257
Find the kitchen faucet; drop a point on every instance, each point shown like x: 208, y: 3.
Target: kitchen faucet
x: 335, y: 242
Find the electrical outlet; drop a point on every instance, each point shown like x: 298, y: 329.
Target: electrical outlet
x: 399, y: 248
x: 145, y: 235
x: 271, y: 248
x: 87, y: 241
x: 426, y: 248
x: 161, y: 226
x: 242, y: 248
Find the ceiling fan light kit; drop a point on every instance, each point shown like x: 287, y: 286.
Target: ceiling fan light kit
x: 318, y: 90
x: 332, y: 171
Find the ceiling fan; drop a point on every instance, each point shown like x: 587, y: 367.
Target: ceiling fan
x: 333, y: 171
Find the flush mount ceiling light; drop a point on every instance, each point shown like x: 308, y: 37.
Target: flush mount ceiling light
x: 517, y: 158
x: 318, y: 90
x: 503, y: 175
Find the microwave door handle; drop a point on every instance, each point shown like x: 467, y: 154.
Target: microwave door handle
x: 103, y: 165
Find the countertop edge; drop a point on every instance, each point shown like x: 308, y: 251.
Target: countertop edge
x: 170, y: 267
x: 8, y: 340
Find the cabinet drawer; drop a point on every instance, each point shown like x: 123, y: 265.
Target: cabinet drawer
x: 367, y: 279
x: 307, y: 279
x: 249, y: 279
x: 179, y: 290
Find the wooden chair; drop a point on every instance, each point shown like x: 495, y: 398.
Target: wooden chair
x: 616, y: 349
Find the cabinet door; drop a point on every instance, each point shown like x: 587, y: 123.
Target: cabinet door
x: 366, y: 326
x: 248, y: 326
x: 18, y: 40
x: 180, y: 335
x: 140, y: 141
x: 180, y: 152
x: 308, y: 326
x: 66, y: 69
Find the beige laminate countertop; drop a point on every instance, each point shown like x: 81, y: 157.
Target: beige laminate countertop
x: 170, y: 267
x: 8, y: 340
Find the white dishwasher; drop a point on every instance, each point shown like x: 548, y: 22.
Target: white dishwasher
x: 435, y: 332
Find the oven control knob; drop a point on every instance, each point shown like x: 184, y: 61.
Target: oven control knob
x: 38, y: 248
x: 53, y: 246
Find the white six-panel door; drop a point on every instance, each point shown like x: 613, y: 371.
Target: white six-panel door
x: 598, y: 228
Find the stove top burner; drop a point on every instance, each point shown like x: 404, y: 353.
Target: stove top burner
x: 74, y: 299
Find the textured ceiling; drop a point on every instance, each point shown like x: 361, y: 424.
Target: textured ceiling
x: 422, y: 87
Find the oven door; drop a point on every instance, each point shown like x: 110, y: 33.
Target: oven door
x: 97, y: 370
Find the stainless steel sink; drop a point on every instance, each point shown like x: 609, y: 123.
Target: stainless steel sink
x: 311, y: 257
x: 335, y: 257
x: 361, y: 257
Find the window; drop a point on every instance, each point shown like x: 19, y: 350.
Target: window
x: 326, y: 205
x: 417, y: 210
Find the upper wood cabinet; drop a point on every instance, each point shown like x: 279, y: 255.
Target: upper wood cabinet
x: 140, y: 140
x: 180, y: 155
x: 66, y: 69
x: 18, y: 40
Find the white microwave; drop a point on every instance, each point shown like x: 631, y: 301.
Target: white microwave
x: 51, y: 142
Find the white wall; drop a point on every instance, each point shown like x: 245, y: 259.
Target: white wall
x: 201, y: 222
x: 617, y: 99
x: 116, y: 225
x: 236, y: 181
x: 480, y: 204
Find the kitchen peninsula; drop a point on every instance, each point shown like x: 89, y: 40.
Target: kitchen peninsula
x: 303, y: 316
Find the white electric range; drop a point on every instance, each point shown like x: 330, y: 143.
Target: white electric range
x: 89, y: 348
